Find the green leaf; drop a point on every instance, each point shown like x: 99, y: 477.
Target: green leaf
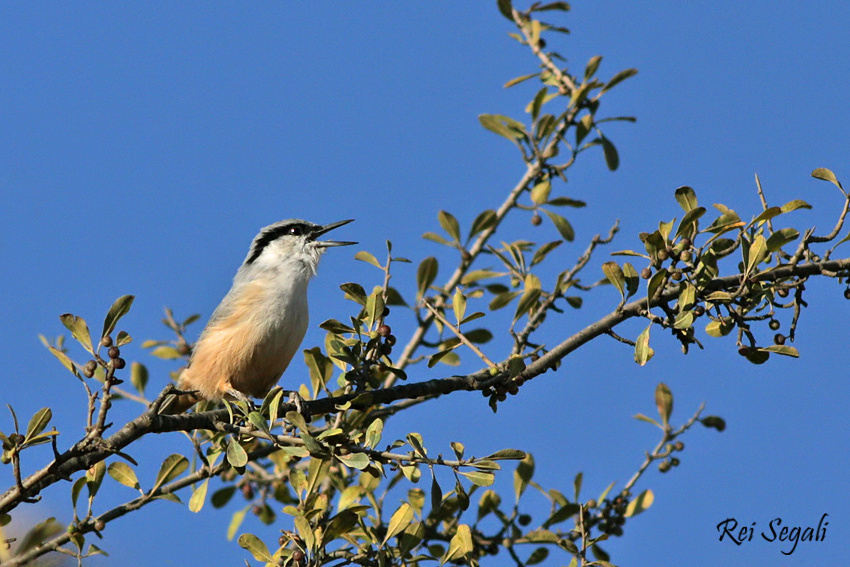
x: 507, y: 454
x: 827, y: 175
x: 357, y: 461
x: 255, y: 547
x: 166, y: 352
x: 688, y: 226
x: 497, y: 124
x: 783, y: 350
x: 138, y: 376
x: 119, y: 309
x: 563, y: 513
x: 369, y: 258
x: 459, y: 305
x: 656, y: 282
x: 503, y: 299
x: 639, y: 504
x: 63, y: 358
x: 592, y: 66
x: 336, y: 327
x: 426, y: 274
x: 506, y: 9
x: 647, y: 419
x: 566, y: 202
x: 529, y: 296
x: 619, y: 78
x: 38, y: 422
x: 172, y: 467
x: 714, y: 422
x: 794, y: 205
x: 522, y: 475
x: 460, y: 545
x: 632, y: 279
x: 199, y: 496
x: 222, y: 496
x: 480, y: 478
x: 780, y: 238
x: 612, y: 157
x: 79, y: 330
x: 544, y: 250
x: 94, y: 478
x: 354, y: 292
x: 415, y: 441
x: 518, y: 80
x: 643, y: 352
x: 719, y: 328
x: 664, y: 402
x: 562, y: 225
x: 400, y: 519
x: 449, y: 224
x: 540, y: 192
x: 686, y: 197
x: 483, y: 221
x: 757, y: 253
x: 236, y: 521
x: 373, y: 433
x: 123, y: 474
x: 614, y: 273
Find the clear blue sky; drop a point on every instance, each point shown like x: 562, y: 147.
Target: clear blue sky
x: 143, y: 145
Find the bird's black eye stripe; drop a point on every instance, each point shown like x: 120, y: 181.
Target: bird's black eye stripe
x: 269, y: 236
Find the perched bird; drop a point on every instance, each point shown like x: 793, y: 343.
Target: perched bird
x: 257, y: 328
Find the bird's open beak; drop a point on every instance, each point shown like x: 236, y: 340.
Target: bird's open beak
x: 328, y: 228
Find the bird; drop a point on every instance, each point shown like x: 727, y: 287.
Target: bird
x: 257, y: 328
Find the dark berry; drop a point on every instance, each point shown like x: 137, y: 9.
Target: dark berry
x: 663, y: 255
x: 847, y: 293
x: 89, y: 368
x: 119, y: 363
x: 784, y: 292
x: 678, y: 446
x: 646, y: 273
x: 184, y: 349
x: 99, y: 525
x: 536, y: 219
x: 685, y: 256
x: 687, y: 243
x: 390, y: 340
x: 114, y: 352
x: 779, y: 339
x: 774, y: 325
x: 699, y: 310
x: 384, y: 330
x: 106, y: 341
x: 676, y: 276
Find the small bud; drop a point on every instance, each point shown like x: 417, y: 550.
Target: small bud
x: 106, y: 341
x: 685, y: 256
x: 664, y: 466
x: 591, y: 503
x: 248, y: 491
x: 662, y: 255
x: 678, y: 446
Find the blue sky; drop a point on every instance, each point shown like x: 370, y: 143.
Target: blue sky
x: 143, y: 145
